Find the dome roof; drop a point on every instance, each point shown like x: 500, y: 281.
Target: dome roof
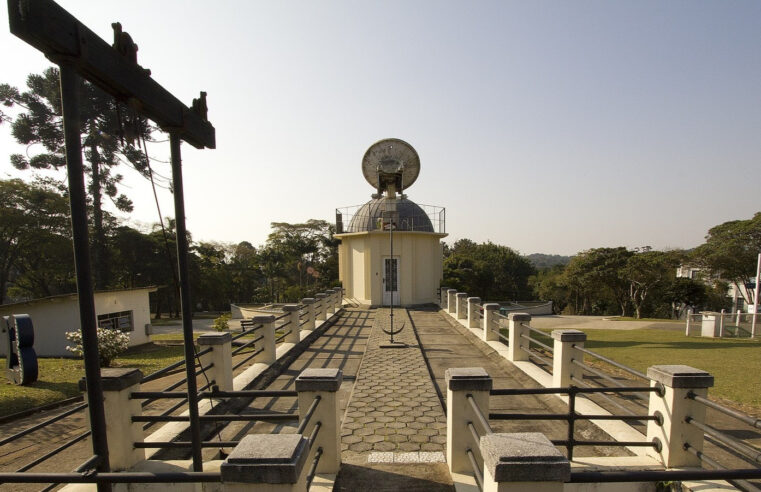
x: 411, y: 216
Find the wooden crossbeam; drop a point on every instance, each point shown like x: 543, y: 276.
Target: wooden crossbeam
x: 62, y: 38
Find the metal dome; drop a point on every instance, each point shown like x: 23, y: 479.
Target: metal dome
x: 411, y: 216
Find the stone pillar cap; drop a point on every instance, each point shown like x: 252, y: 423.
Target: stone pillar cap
x: 314, y: 379
x: 212, y: 338
x: 491, y: 306
x: 266, y: 458
x: 524, y: 457
x: 462, y: 294
x: 451, y: 290
x: 115, y: 378
x: 680, y: 376
x: 569, y: 335
x: 320, y: 295
x: 474, y: 299
x: 468, y: 378
x: 289, y: 308
x: 307, y: 300
x: 266, y: 318
x: 519, y: 317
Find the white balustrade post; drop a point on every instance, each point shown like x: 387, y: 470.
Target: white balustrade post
x: 308, y: 303
x: 689, y: 320
x: 461, y: 382
x: 517, y: 323
x: 267, y: 463
x: 523, y: 461
x: 461, y: 305
x: 563, y: 369
x: 294, y: 323
x: 121, y: 432
x: 491, y: 323
x: 443, y: 297
x: 474, y: 314
x: 322, y: 383
x: 721, y: 323
x: 220, y: 356
x: 339, y: 297
x: 330, y: 303
x: 674, y: 407
x: 320, y: 306
x: 268, y: 355
x: 451, y: 301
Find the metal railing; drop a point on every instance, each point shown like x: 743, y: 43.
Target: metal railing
x: 572, y: 416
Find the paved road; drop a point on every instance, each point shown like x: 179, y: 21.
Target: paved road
x: 562, y: 322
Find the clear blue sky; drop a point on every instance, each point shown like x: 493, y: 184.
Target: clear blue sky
x: 546, y: 126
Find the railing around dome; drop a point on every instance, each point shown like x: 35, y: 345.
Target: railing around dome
x: 355, y: 218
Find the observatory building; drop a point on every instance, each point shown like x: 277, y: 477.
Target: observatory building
x: 391, y: 250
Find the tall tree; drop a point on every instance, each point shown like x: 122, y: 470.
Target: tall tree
x: 602, y: 267
x: 646, y: 270
x: 102, y: 122
x: 731, y: 252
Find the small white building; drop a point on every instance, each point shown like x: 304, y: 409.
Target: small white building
x: 369, y: 272
x: 127, y: 310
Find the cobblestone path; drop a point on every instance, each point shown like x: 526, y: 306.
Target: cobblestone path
x: 394, y: 407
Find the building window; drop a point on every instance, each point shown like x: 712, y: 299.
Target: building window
x: 121, y: 321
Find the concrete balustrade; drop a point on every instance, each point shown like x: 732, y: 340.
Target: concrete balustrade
x: 474, y: 315
x: 339, y: 297
x: 491, y: 322
x: 461, y: 305
x: 293, y: 311
x: 268, y: 355
x: 563, y: 370
x: 121, y: 432
x: 320, y: 306
x: 521, y: 462
x: 451, y: 301
x: 443, y: 293
x: 330, y: 302
x: 517, y: 344
x: 322, y: 383
x: 674, y: 407
x: 461, y: 382
x: 311, y: 315
x: 267, y: 463
x: 220, y: 356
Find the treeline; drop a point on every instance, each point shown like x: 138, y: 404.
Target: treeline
x: 643, y: 282
x: 36, y: 257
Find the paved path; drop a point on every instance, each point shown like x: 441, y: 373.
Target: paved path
x: 564, y: 322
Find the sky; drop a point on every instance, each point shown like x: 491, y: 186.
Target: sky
x: 546, y: 126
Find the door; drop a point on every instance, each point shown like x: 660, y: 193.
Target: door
x: 390, y: 281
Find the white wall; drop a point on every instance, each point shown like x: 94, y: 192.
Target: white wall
x: 53, y: 317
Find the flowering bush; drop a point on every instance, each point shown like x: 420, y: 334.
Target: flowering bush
x: 221, y: 323
x: 111, y: 343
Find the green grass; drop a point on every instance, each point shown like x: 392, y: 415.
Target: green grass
x: 735, y: 363
x: 58, y: 378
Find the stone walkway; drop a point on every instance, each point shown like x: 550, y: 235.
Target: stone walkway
x: 394, y: 412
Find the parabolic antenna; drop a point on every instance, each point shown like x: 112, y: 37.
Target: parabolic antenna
x: 391, y: 163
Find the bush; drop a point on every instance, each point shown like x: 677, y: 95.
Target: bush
x: 111, y: 343
x: 220, y: 324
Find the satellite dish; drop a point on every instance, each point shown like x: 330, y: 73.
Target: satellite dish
x: 391, y: 163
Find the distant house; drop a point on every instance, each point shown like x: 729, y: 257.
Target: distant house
x: 127, y: 310
x: 738, y: 293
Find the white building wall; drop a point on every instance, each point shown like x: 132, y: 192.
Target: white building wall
x: 53, y: 317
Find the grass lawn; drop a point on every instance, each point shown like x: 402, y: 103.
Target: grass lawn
x: 734, y: 362
x: 58, y: 377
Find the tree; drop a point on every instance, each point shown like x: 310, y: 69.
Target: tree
x: 731, y: 251
x: 40, y: 123
x: 549, y: 285
x: 35, y: 246
x: 644, y: 271
x: 600, y: 268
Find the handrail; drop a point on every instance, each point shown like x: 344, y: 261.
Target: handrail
x: 749, y: 452
x: 246, y: 332
x: 313, y: 469
x: 281, y: 337
x: 308, y: 415
x: 54, y: 452
x: 535, y: 330
x: 477, y: 473
x: 751, y: 421
x: 246, y: 345
x: 313, y: 435
x: 178, y: 384
x: 214, y: 417
x: 111, y: 477
x: 606, y: 377
x: 45, y: 423
x: 177, y: 405
x: 612, y: 362
x: 479, y: 414
x: 184, y: 444
x: 740, y: 484
x: 535, y: 341
x: 248, y: 358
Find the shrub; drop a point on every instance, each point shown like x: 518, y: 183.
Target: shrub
x: 111, y: 343
x: 220, y: 324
